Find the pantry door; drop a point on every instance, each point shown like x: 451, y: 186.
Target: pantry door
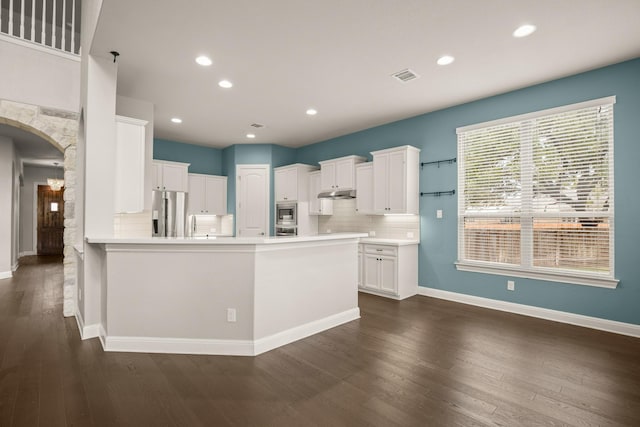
x: 252, y: 200
x: 50, y: 225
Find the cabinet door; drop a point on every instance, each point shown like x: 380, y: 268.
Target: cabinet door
x: 328, y: 174
x: 371, y: 272
x: 216, y: 195
x: 360, y: 267
x: 286, y: 184
x: 196, y: 197
x: 156, y: 177
x: 318, y: 206
x: 364, y: 189
x: 174, y: 177
x: 388, y: 274
x: 380, y: 183
x: 345, y: 174
x: 397, y: 182
x: 129, y: 176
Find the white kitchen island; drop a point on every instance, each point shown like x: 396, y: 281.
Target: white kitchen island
x: 232, y: 296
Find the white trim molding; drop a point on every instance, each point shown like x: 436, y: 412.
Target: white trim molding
x: 539, y: 274
x: 88, y: 331
x: 622, y: 328
x: 224, y: 347
x: 6, y: 275
x: 26, y: 253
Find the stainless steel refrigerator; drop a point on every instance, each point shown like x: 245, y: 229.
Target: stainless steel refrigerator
x: 168, y: 213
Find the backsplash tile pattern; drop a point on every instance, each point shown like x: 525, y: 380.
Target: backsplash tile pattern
x: 344, y: 219
x: 132, y: 224
x: 213, y: 225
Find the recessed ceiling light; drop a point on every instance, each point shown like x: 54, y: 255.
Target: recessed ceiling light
x: 312, y: 112
x: 524, y: 30
x: 445, y: 60
x: 205, y: 61
x: 251, y: 135
x: 225, y: 84
x: 176, y: 120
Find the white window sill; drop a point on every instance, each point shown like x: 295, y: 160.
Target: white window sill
x: 563, y: 277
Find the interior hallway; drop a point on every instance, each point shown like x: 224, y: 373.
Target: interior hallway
x: 421, y: 362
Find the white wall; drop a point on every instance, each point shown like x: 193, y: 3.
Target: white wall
x: 31, y: 175
x: 7, y: 155
x: 39, y: 78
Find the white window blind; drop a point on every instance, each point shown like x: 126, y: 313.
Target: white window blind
x: 536, y: 195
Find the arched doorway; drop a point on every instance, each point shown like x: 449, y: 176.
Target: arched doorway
x: 59, y: 128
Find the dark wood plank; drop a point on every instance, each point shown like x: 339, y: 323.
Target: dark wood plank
x: 418, y: 362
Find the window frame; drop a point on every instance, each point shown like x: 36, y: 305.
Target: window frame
x: 525, y: 269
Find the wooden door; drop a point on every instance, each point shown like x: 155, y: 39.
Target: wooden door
x: 252, y: 200
x: 50, y: 221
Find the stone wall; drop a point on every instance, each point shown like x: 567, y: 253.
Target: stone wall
x: 59, y: 128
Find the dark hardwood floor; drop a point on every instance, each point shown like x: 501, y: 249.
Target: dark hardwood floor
x: 418, y: 362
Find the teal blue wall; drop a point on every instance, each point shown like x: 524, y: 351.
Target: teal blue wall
x: 434, y: 133
x: 207, y: 160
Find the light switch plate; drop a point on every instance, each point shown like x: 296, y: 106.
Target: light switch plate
x: 439, y: 214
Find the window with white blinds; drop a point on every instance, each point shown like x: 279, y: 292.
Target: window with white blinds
x: 536, y: 195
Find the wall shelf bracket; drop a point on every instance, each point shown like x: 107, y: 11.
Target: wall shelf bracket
x: 438, y: 162
x: 439, y: 193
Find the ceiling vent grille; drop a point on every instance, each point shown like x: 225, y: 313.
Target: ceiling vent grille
x: 256, y: 125
x: 405, y: 75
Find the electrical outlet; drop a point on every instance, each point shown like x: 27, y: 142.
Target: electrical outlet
x: 511, y: 285
x: 372, y: 234
x: 231, y: 314
x: 328, y: 230
x: 439, y: 214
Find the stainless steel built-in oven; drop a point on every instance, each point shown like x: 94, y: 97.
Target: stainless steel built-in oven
x: 286, y: 219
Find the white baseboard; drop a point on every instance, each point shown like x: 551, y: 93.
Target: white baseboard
x: 542, y: 313
x: 6, y: 274
x: 88, y: 331
x: 26, y: 253
x: 224, y: 347
x: 179, y: 346
x: 270, y: 342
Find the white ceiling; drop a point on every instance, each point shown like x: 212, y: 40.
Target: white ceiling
x: 285, y: 56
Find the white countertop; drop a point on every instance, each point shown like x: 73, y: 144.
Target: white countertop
x: 222, y: 240
x: 394, y: 242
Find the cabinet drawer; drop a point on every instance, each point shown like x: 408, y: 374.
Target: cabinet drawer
x: 381, y: 250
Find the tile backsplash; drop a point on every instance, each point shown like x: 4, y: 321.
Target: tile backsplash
x: 212, y: 225
x: 132, y: 224
x: 345, y: 218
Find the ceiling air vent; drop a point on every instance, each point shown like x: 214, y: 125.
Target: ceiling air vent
x: 405, y: 75
x: 256, y: 125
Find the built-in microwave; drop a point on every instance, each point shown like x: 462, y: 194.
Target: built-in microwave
x: 286, y: 219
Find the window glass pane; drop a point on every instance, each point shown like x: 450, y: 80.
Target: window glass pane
x: 575, y: 244
x: 492, y: 240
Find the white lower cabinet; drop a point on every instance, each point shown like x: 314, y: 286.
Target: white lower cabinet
x: 389, y: 270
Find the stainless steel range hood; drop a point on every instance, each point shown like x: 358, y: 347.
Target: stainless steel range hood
x: 338, y: 194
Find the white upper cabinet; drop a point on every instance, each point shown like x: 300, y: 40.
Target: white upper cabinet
x: 364, y: 188
x: 340, y: 173
x: 318, y: 206
x: 207, y: 194
x: 129, y: 173
x: 291, y: 182
x: 395, y: 180
x: 170, y: 176
x: 286, y: 184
